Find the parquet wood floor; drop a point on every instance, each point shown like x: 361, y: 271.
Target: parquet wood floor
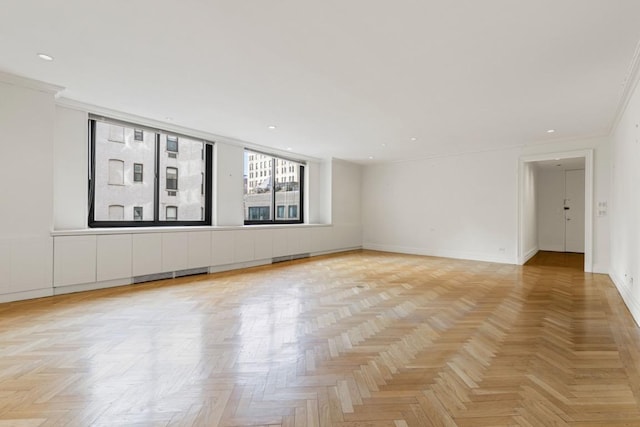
x: 358, y: 339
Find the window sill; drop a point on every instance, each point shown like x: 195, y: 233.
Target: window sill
x: 143, y: 230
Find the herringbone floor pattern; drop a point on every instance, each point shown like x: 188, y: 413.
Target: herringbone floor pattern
x: 360, y: 339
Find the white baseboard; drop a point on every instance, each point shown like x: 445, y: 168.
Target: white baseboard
x: 19, y: 296
x: 238, y: 266
x: 241, y: 265
x: 528, y: 255
x: 61, y: 290
x: 625, y: 292
x: 444, y: 253
x: 336, y: 251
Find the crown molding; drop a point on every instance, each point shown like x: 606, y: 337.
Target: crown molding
x: 16, y: 80
x: 630, y: 83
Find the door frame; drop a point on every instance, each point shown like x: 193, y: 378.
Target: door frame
x: 588, y: 200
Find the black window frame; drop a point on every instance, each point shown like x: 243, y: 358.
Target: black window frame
x: 271, y: 167
x: 137, y: 132
x: 155, y: 177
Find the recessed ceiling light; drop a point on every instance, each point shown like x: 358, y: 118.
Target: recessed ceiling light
x: 45, y: 57
x: 288, y: 148
x: 370, y: 157
x: 413, y: 138
x: 384, y: 145
x: 272, y: 127
x: 551, y: 131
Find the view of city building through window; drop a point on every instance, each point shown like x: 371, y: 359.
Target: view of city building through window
x: 141, y: 175
x: 272, y: 189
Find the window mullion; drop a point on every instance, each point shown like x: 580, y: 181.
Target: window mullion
x: 273, y: 189
x: 92, y: 172
x: 156, y: 183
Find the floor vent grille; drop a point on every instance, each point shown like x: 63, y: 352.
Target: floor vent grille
x: 192, y: 272
x: 170, y: 275
x: 152, y: 277
x: 289, y: 257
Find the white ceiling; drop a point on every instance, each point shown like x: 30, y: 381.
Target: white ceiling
x: 342, y: 78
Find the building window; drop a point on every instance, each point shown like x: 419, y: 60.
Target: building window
x: 127, y: 197
x: 137, y: 213
x: 259, y: 213
x: 116, y: 172
x: 172, y: 178
x: 266, y: 198
x: 172, y: 213
x: 172, y: 143
x: 137, y: 172
x: 116, y: 212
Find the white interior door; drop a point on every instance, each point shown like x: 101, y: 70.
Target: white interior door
x: 574, y: 211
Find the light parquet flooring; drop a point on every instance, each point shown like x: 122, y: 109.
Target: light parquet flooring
x: 357, y: 339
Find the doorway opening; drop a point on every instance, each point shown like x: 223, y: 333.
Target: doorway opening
x: 573, y: 261
x: 555, y: 215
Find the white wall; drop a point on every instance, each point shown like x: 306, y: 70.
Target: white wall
x: 346, y: 181
x: 318, y: 190
x: 461, y: 206
x: 550, y: 210
x: 27, y: 112
x: 624, y: 206
x: 70, y: 148
x: 466, y: 205
x: 46, y: 225
x: 346, y: 202
x: 530, y: 201
x: 228, y: 184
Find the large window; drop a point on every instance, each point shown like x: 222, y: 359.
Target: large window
x: 273, y: 189
x: 138, y: 177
